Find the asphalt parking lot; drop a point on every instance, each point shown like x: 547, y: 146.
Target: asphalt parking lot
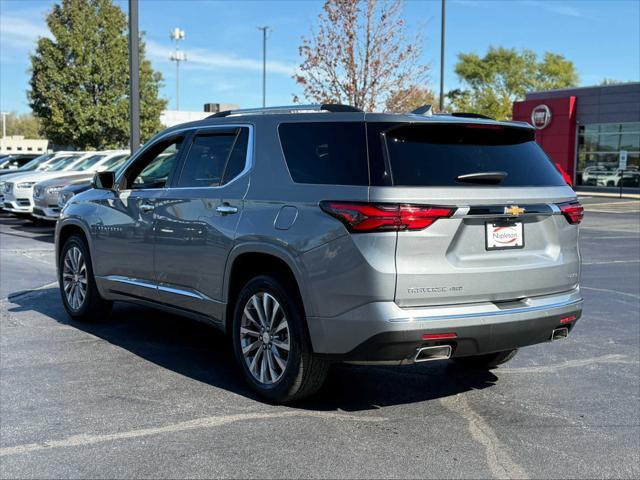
x: 153, y: 395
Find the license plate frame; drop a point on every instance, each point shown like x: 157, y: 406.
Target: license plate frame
x: 508, y: 227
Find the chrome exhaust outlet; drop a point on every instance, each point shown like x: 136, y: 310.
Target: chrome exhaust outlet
x: 559, y: 333
x: 428, y: 354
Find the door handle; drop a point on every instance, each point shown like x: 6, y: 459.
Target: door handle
x: 226, y: 209
x: 146, y: 207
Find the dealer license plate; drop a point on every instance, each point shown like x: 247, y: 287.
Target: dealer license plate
x: 504, y: 235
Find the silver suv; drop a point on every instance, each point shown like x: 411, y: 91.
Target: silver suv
x: 322, y: 234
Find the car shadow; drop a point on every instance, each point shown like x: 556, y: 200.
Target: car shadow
x: 41, y: 231
x: 204, y: 354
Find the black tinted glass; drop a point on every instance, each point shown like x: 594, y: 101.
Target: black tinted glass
x: 238, y: 157
x: 206, y: 160
x: 436, y: 155
x: 326, y: 153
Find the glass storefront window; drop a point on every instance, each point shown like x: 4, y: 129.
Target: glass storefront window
x: 599, y: 148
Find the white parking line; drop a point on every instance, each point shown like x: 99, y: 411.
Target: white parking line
x: 500, y: 462
x: 199, y: 423
x: 583, y: 362
x: 606, y: 290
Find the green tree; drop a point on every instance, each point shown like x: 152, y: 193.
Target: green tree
x: 80, y: 78
x: 492, y: 83
x: 408, y: 99
x: 23, y: 124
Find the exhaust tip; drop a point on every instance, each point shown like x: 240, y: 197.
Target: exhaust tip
x: 429, y: 354
x: 559, y: 333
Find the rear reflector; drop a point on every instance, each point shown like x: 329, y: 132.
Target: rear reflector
x: 439, y: 336
x: 573, y: 212
x: 568, y: 319
x: 371, y: 217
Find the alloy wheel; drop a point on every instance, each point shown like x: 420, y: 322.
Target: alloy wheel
x: 264, y: 338
x: 74, y: 278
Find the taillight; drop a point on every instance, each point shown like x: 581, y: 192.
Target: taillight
x: 370, y: 217
x: 573, y: 212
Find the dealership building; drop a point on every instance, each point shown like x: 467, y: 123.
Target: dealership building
x: 592, y: 133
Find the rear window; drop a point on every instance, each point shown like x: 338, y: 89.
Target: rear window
x: 436, y: 155
x: 326, y: 152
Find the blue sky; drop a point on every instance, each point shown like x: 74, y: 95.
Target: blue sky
x: 224, y: 49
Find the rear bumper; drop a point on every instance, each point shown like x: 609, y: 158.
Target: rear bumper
x: 384, y: 332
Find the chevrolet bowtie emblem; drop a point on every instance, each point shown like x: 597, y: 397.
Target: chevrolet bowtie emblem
x: 513, y: 210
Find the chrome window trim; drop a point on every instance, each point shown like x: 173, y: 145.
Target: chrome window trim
x: 161, y: 136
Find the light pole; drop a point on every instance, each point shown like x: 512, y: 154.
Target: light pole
x: 4, y: 124
x: 134, y: 78
x: 178, y: 56
x: 264, y: 65
x: 442, y: 59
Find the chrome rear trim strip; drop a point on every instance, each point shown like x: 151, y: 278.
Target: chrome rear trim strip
x: 492, y: 313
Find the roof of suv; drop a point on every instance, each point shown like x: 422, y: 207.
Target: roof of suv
x: 335, y: 113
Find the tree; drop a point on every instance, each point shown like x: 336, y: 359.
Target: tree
x: 502, y: 76
x: 360, y: 55
x: 80, y: 77
x: 408, y: 99
x: 23, y: 124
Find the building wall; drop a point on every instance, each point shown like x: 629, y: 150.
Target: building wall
x: 558, y: 138
x: 18, y: 144
x: 603, y: 104
x: 575, y: 109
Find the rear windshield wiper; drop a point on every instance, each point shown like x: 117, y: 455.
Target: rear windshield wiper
x: 488, y: 178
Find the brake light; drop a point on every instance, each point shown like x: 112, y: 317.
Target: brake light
x: 568, y: 319
x: 370, y: 217
x: 439, y: 336
x: 573, y: 212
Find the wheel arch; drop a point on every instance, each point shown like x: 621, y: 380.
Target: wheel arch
x: 251, y: 259
x: 67, y: 229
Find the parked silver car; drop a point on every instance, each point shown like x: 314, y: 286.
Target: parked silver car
x: 316, y: 234
x: 46, y: 193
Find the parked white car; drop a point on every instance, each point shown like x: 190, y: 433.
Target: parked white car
x: 17, y: 189
x: 46, y: 193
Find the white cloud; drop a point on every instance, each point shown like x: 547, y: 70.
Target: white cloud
x: 199, y: 58
x: 21, y: 32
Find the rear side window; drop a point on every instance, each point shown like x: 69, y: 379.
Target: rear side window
x: 331, y: 153
x: 436, y: 155
x: 214, y: 159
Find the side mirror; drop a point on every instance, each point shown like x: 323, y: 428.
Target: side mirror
x: 104, y: 180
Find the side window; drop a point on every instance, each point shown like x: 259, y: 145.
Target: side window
x: 214, y: 159
x: 152, y: 170
x: 326, y: 153
x: 238, y: 158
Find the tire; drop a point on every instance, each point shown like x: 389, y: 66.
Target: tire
x: 485, y: 362
x: 303, y: 373
x: 91, y: 307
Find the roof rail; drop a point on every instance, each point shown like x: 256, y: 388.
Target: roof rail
x: 324, y: 107
x: 470, y: 115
